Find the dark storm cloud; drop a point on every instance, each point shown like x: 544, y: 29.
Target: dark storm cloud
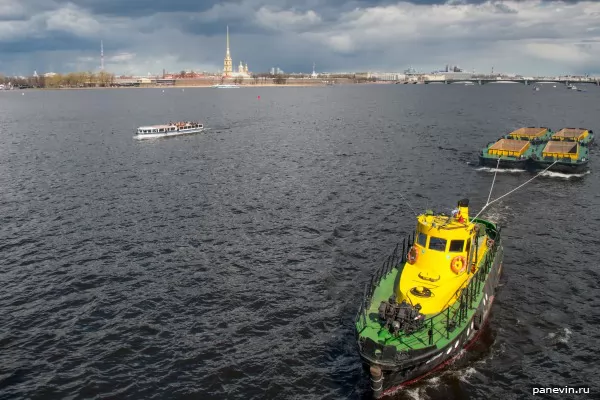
x: 135, y: 8
x: 147, y: 35
x: 58, y: 41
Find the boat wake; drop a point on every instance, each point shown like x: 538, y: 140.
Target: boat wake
x: 465, y: 374
x: 498, y: 214
x: 561, y: 337
x: 560, y: 175
x: 504, y: 170
x: 416, y: 394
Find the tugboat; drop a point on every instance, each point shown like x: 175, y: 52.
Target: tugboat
x: 515, y: 149
x: 429, y: 301
x: 567, y: 151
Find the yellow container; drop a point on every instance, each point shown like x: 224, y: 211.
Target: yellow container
x: 528, y: 133
x: 570, y: 134
x: 559, y: 149
x: 509, y: 148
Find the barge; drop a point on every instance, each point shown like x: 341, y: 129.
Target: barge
x: 515, y: 149
x: 562, y: 156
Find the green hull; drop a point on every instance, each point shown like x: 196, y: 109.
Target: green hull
x: 487, y: 160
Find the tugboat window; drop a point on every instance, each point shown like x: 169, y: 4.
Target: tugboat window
x: 456, y: 246
x: 438, y: 244
x: 422, y: 239
x: 468, y: 248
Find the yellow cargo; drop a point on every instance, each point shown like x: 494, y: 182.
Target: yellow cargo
x: 528, y: 133
x: 509, y: 147
x: 570, y: 134
x: 556, y: 149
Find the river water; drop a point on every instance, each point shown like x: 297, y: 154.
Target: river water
x: 231, y: 264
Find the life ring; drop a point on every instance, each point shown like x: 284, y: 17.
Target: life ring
x: 490, y: 243
x: 413, y: 254
x: 458, y: 264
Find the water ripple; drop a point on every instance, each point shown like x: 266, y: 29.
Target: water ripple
x: 231, y: 264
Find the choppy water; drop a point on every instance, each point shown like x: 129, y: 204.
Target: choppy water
x: 231, y: 264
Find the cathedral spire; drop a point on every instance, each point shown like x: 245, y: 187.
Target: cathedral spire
x: 227, y: 39
x: 227, y: 63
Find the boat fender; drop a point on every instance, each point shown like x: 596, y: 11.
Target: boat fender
x: 376, y: 380
x: 413, y: 254
x: 490, y: 243
x: 458, y: 264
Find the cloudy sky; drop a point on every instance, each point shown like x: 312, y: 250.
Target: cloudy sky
x: 141, y: 36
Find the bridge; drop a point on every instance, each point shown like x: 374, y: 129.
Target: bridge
x: 525, y: 81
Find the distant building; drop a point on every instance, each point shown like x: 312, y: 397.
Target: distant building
x: 386, y: 76
x: 228, y: 64
x: 458, y: 75
x: 242, y: 71
x: 453, y: 68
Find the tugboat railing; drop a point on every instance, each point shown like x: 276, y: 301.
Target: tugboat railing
x: 394, y: 260
x: 453, y: 315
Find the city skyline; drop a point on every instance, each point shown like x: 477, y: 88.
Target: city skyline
x: 532, y: 38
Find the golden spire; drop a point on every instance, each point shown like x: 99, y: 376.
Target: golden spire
x: 227, y: 39
x: 227, y: 63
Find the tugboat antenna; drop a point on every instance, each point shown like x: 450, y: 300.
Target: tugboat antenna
x: 515, y: 189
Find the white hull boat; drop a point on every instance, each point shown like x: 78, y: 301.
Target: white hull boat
x: 171, y: 129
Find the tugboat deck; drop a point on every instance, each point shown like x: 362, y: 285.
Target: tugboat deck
x: 420, y: 339
x: 509, y: 147
x: 528, y: 133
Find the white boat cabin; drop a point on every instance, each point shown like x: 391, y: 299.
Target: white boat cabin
x: 171, y: 127
x: 157, y: 129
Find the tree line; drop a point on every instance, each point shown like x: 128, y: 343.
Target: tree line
x: 70, y: 80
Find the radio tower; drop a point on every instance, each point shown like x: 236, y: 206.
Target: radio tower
x: 101, y: 56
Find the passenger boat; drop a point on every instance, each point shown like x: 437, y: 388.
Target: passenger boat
x: 566, y: 151
x: 226, y: 86
x: 430, y: 299
x: 515, y: 149
x: 171, y: 129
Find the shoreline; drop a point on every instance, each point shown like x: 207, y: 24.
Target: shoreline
x: 146, y: 86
